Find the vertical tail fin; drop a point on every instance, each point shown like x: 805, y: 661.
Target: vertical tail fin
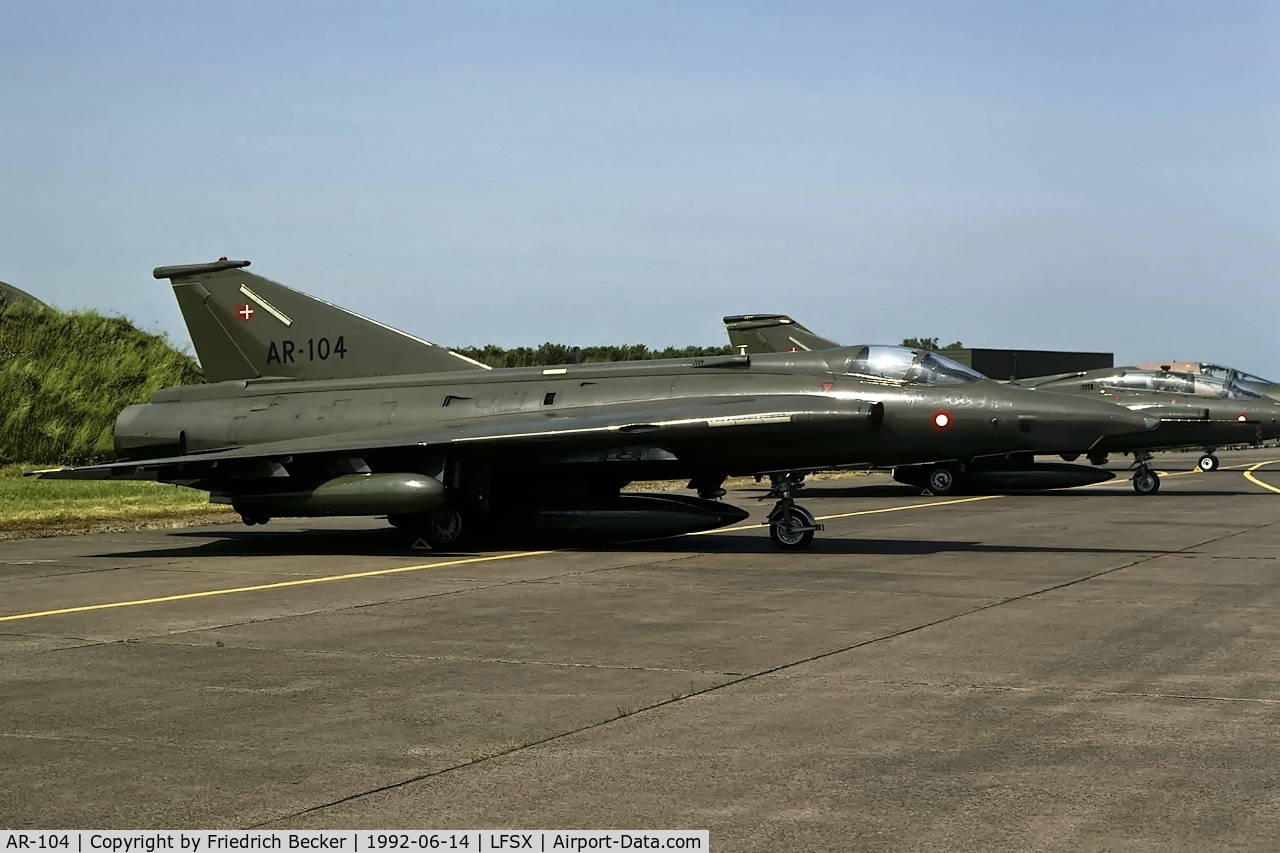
x: 757, y: 333
x: 245, y: 326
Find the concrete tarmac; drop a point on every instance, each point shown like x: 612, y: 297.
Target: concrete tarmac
x: 1076, y: 670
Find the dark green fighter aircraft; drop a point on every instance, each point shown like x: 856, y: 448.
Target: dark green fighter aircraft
x: 311, y: 410
x: 1197, y: 411
x: 1194, y: 412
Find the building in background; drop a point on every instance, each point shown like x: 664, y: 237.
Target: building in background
x: 1026, y: 363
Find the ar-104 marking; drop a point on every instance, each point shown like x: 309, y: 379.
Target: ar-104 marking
x: 312, y: 349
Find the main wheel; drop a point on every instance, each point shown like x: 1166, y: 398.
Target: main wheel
x: 944, y: 480
x: 1209, y: 462
x: 790, y: 537
x: 1146, y: 482
x: 447, y: 528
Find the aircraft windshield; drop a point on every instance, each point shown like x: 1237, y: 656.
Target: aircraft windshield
x: 1198, y: 384
x: 1223, y: 372
x: 898, y: 364
x: 1239, y: 383
x: 1238, y: 390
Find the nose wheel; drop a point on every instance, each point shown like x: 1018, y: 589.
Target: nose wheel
x: 791, y: 526
x: 1145, y: 480
x: 1209, y: 462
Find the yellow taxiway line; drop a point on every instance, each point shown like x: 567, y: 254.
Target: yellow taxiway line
x: 1248, y: 475
x: 209, y: 593
x: 758, y: 525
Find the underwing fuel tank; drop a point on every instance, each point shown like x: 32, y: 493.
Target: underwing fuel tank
x: 633, y: 515
x: 1042, y: 475
x: 1039, y: 475
x: 350, y: 494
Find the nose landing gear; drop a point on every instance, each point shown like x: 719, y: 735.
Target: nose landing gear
x: 1145, y: 481
x: 791, y: 527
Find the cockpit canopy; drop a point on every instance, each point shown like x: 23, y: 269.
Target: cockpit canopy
x: 909, y: 366
x: 1238, y: 379
x: 1185, y: 384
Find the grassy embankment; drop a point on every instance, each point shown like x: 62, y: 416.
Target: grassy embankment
x: 64, y: 376
x: 34, y: 508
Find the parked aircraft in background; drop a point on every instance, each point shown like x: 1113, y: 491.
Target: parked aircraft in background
x: 1204, y: 411
x: 1199, y: 410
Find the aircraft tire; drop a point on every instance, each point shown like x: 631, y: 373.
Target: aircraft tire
x: 446, y: 528
x: 787, y: 539
x: 944, y: 481
x: 1146, y: 482
x: 1209, y: 462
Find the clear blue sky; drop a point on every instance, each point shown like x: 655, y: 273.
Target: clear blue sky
x: 1093, y: 175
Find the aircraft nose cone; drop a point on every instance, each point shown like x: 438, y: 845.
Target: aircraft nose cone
x: 1052, y: 423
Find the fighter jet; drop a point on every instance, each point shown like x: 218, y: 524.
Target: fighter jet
x: 1198, y: 411
x: 311, y: 410
x: 1201, y: 412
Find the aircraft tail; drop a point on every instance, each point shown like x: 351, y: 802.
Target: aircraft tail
x: 772, y: 333
x: 245, y: 326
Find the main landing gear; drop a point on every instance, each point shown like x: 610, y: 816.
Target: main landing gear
x: 791, y: 527
x: 445, y: 528
x: 1209, y: 462
x: 945, y: 480
x: 1145, y: 480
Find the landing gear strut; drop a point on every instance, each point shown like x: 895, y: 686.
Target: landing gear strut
x: 1209, y: 462
x: 1145, y: 481
x: 791, y: 527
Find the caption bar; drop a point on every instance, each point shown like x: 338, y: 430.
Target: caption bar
x: 350, y: 841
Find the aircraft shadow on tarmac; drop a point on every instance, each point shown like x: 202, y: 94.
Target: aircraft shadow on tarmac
x: 392, y: 543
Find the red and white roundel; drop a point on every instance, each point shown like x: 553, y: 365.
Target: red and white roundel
x: 1242, y: 418
x: 941, y: 419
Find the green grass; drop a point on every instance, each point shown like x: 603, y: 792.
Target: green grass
x: 27, y: 503
x: 64, y: 376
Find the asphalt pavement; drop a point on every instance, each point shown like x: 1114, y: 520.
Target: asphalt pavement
x: 1075, y: 670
